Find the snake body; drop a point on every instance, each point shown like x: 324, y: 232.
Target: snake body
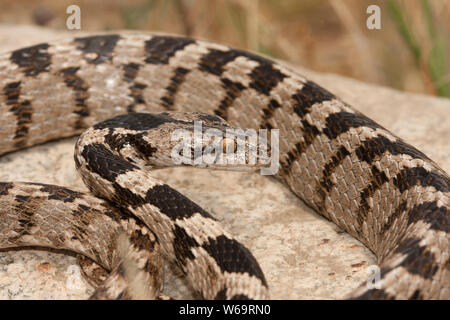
x: 369, y: 182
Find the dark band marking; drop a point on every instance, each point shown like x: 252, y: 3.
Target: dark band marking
x: 25, y: 222
x: 405, y: 179
x: 159, y: 49
x: 60, y: 193
x: 115, y: 213
x: 268, y: 113
x: 142, y: 146
x: 438, y: 218
x: 372, y: 149
x: 417, y: 295
x: 329, y: 169
x: 11, y: 91
x: 126, y: 196
x: 222, y: 294
x: 240, y: 297
x: 23, y: 113
x: 264, y: 77
x: 232, y: 91
x: 32, y: 60
x: 374, y: 294
x: 269, y: 110
x: 213, y: 120
x: 116, y: 141
x: 176, y: 80
x: 378, y: 179
x: 25, y: 207
x: 5, y: 187
x: 419, y: 260
x: 304, y: 99
x: 410, y: 177
x: 309, y: 95
x: 136, y: 121
x: 182, y: 244
x: 81, y: 94
x: 215, y: 61
x: 309, y: 134
x: 136, y: 92
x: 173, y: 204
x: 79, y: 232
x: 231, y: 256
x: 98, y: 49
x: 292, y: 155
x: 130, y: 71
x: 141, y: 241
x: 22, y: 110
x: 22, y: 199
x: 338, y: 123
x: 102, y: 161
x: 82, y: 209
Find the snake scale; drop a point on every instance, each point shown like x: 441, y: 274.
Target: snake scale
x: 349, y: 169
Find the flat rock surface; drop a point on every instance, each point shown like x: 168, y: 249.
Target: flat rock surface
x: 302, y: 255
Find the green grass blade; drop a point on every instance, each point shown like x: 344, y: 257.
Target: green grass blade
x: 402, y: 26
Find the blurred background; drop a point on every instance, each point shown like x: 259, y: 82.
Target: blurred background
x: 409, y: 52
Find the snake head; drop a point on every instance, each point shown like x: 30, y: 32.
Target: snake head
x: 214, y: 144
x: 182, y: 138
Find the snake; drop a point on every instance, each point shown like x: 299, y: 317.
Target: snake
x: 123, y: 86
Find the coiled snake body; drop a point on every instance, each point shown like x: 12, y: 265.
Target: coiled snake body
x: 384, y: 192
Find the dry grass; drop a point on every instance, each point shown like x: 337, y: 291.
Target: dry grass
x: 409, y: 53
